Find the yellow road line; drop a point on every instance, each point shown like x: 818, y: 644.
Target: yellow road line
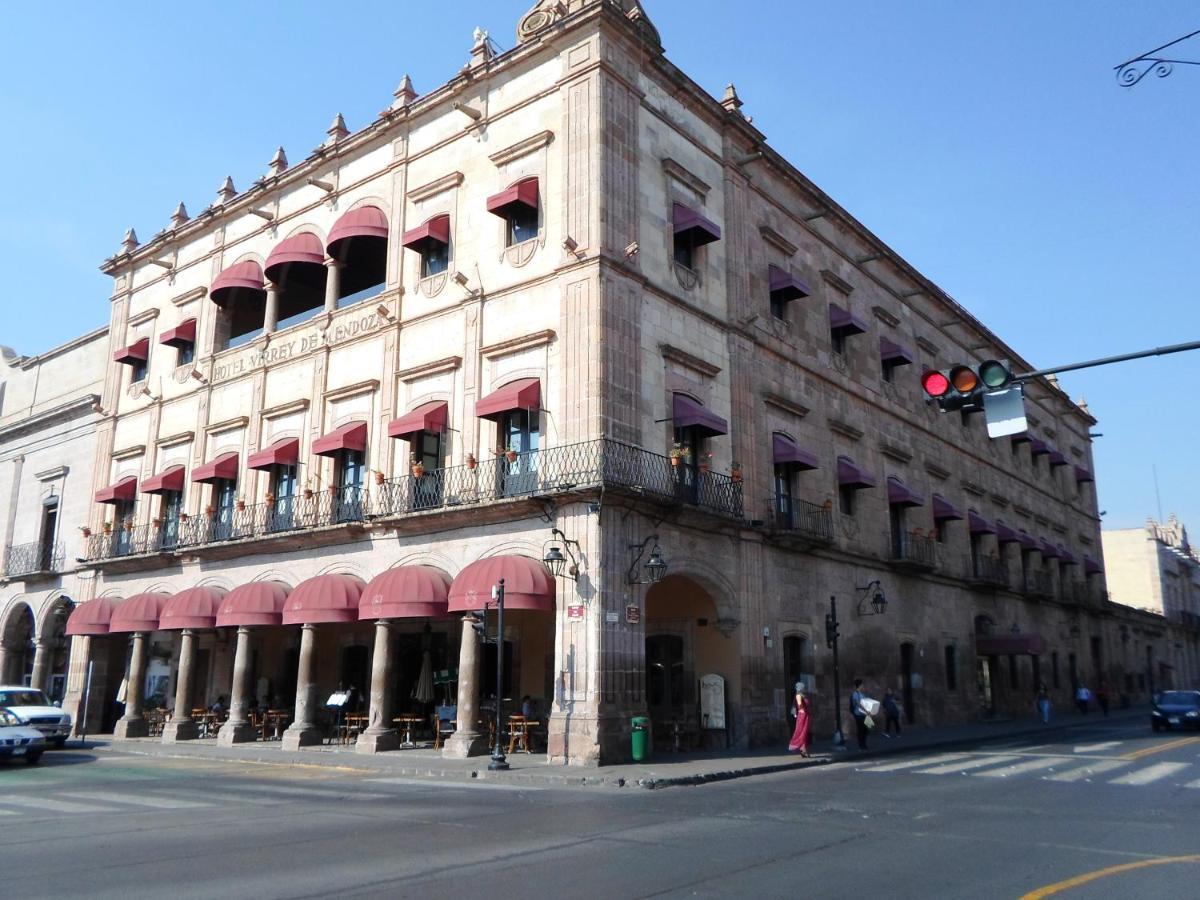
x: 1067, y: 884
x: 1161, y: 748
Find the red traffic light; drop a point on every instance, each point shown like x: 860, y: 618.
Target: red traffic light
x: 935, y: 384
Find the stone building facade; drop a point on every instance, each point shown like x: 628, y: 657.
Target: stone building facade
x: 561, y: 320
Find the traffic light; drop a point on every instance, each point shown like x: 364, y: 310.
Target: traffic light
x: 479, y: 623
x: 831, y: 631
x: 962, y: 387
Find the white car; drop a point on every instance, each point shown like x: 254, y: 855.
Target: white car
x: 18, y: 740
x: 32, y: 706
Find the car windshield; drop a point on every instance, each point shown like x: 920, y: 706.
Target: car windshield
x: 1177, y: 698
x: 23, y: 698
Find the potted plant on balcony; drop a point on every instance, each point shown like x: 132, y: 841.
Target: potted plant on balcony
x: 241, y: 504
x: 735, y: 470
x: 678, y: 453
x: 157, y: 523
x: 270, y: 498
x: 472, y: 462
x: 379, y: 477
x: 108, y: 527
x: 183, y: 517
x: 416, y: 465
x: 705, y: 462
x: 85, y: 531
x: 510, y: 453
x: 210, y: 511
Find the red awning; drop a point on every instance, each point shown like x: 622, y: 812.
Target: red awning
x: 894, y: 354
x: 844, y: 322
x: 1038, y: 448
x: 223, y: 468
x: 247, y: 275
x: 944, y: 510
x: 1023, y: 437
x: 257, y: 603
x: 1006, y: 535
x: 325, y: 598
x: 1057, y: 459
x: 91, y: 617
x: 194, y: 608
x: 1010, y: 645
x: 429, y: 417
x: 689, y: 222
x: 137, y: 352
x: 687, y: 412
x: 365, y: 221
x: 406, y: 592
x: 121, y: 492
x: 1082, y: 475
x: 435, y: 230
x: 281, y: 453
x: 786, y: 286
x: 299, y: 248
x: 1090, y: 567
x: 785, y: 452
x: 523, y: 193
x: 528, y: 584
x: 182, y: 335
x: 851, y: 476
x: 140, y: 612
x: 977, y: 524
x: 525, y: 393
x: 167, y: 480
x: 899, y: 494
x: 1049, y: 551
x: 1025, y: 539
x: 1066, y: 556
x: 351, y: 436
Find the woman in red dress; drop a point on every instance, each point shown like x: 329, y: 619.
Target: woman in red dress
x: 800, y: 735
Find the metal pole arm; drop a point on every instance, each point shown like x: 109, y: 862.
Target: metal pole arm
x: 1091, y: 363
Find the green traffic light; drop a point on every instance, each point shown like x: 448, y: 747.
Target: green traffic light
x: 994, y: 375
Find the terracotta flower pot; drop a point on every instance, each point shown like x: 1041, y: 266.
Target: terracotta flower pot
x: 676, y: 460
x: 471, y: 461
x: 379, y: 478
x: 241, y: 505
x: 510, y: 455
x: 418, y: 470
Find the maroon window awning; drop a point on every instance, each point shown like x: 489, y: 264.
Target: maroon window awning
x: 690, y: 223
x: 893, y: 354
x: 407, y: 592
x: 851, y: 476
x: 1026, y: 540
x: 182, y: 335
x: 1057, y: 458
x: 1010, y: 645
x: 324, y: 598
x: 223, y: 468
x: 246, y: 275
x: 1049, y: 551
x: 977, y: 524
x: 167, y: 480
x: 687, y: 412
x: 1082, y: 475
x: 435, y: 230
x: 140, y: 612
x: 258, y: 603
x: 1091, y: 566
x: 944, y: 510
x: 281, y: 453
x: 194, y: 608
x: 365, y: 221
x: 785, y: 285
x: 1066, y: 557
x: 91, y: 617
x: 524, y: 393
x: 1006, y: 535
x: 523, y: 193
x: 121, y: 492
x: 786, y: 452
x: 1023, y: 437
x: 844, y: 322
x: 1038, y: 448
x: 351, y: 436
x: 528, y: 584
x: 299, y: 248
x: 899, y: 494
x: 137, y: 352
x: 430, y: 417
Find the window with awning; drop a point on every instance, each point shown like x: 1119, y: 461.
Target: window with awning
x: 517, y: 205
x: 691, y: 231
x: 892, y: 356
x: 358, y: 241
x: 851, y: 479
x: 183, y: 338
x: 297, y: 268
x: 843, y: 324
x: 431, y: 241
x: 784, y: 287
x: 136, y: 356
x: 524, y: 393
x: 240, y: 294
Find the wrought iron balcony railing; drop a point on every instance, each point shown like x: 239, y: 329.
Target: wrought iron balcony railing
x: 987, y: 571
x: 912, y: 550
x: 1039, y: 583
x: 32, y: 559
x: 804, y: 519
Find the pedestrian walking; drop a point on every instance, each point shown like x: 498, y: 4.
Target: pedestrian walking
x: 1043, y: 703
x: 1103, y: 694
x: 891, y: 712
x: 1082, y: 697
x: 859, y: 713
x: 802, y: 711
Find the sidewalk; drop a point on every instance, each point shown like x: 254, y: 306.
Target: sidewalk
x: 664, y: 770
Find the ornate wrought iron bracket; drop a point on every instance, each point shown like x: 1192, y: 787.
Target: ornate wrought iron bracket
x: 1134, y: 70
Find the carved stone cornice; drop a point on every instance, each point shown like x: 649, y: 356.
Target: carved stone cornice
x: 686, y: 178
x: 525, y: 342
x: 777, y: 240
x: 695, y: 363
x: 837, y: 282
x: 435, y: 187
x: 522, y: 148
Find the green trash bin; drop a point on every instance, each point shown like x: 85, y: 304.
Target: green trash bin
x: 641, y: 738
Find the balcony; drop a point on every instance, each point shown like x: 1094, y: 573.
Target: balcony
x: 38, y: 558
x: 495, y: 484
x: 1082, y: 593
x: 803, y: 520
x: 1038, y: 585
x: 987, y: 573
x: 911, y: 550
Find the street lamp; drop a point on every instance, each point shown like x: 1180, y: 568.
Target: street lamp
x: 878, y: 601
x: 556, y: 561
x: 498, y: 762
x: 655, y: 567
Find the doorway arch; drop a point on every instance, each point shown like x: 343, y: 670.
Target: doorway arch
x: 16, y: 645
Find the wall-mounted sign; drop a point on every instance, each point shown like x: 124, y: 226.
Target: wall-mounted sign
x: 612, y: 618
x: 279, y: 351
x: 575, y: 612
x: 633, y: 614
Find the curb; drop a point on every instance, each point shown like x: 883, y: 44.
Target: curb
x: 709, y: 777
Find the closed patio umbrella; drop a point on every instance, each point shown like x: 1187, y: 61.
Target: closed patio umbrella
x: 423, y: 692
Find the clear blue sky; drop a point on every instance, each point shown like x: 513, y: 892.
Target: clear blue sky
x: 988, y: 143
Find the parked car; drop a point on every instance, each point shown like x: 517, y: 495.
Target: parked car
x: 1175, y: 709
x: 36, y: 709
x: 18, y: 740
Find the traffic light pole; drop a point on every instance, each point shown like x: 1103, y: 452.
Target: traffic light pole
x: 1091, y: 363
x: 831, y: 638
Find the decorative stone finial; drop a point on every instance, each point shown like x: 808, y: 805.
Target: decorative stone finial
x: 130, y: 242
x: 481, y: 49
x: 405, y: 93
x: 337, y: 130
x: 279, y: 162
x: 731, y: 101
x: 180, y: 215
x: 226, y: 191
x: 1082, y: 404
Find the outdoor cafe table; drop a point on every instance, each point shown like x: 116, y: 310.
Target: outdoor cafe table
x: 408, y: 722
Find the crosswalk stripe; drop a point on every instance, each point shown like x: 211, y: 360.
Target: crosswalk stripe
x: 913, y: 763
x: 46, y: 804
x: 1032, y: 765
x: 138, y: 800
x: 1192, y: 784
x: 1098, y: 767
x: 1151, y: 773
x: 977, y: 763
x: 1096, y: 748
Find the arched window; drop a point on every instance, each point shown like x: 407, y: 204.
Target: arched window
x: 242, y: 298
x: 358, y: 242
x: 297, y: 267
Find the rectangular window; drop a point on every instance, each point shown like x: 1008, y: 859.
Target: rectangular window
x: 125, y: 515
x: 687, y: 473
x: 951, y: 667
x: 783, y: 494
x: 519, y: 436
x: 685, y: 250
x: 778, y: 305
x: 351, y: 467
x: 1037, y: 671
x: 224, y: 501
x: 896, y: 515
x: 426, y: 449
x: 435, y: 258
x: 283, y: 487
x: 139, y: 369
x: 837, y: 342
x: 185, y: 354
x: 521, y: 223
x: 46, y: 555
x: 846, y: 500
x: 172, y: 506
x: 976, y: 553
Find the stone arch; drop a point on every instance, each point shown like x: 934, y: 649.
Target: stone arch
x: 714, y: 582
x: 55, y: 602
x: 428, y: 558
x: 274, y: 575
x: 371, y: 200
x: 342, y: 567
x: 16, y: 641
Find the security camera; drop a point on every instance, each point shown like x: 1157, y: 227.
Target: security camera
x: 383, y: 311
x: 632, y: 250
x: 460, y: 279
x: 569, y: 244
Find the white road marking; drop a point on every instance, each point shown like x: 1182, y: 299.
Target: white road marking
x: 1085, y: 772
x: 977, y: 763
x: 1151, y: 773
x: 1192, y: 784
x: 1096, y: 748
x: 1032, y: 765
x: 46, y: 804
x: 913, y: 763
x: 133, y: 799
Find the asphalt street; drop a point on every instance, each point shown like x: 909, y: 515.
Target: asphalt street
x: 1109, y: 805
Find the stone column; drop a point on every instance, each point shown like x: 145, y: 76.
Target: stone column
x: 4, y: 655
x: 303, y: 731
x: 467, y: 741
x: 333, y: 284
x: 380, y: 735
x: 271, y: 316
x: 238, y: 729
x: 181, y: 727
x: 43, y: 658
x: 133, y: 723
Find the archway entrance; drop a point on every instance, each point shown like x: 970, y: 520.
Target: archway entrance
x: 17, y: 639
x: 58, y: 649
